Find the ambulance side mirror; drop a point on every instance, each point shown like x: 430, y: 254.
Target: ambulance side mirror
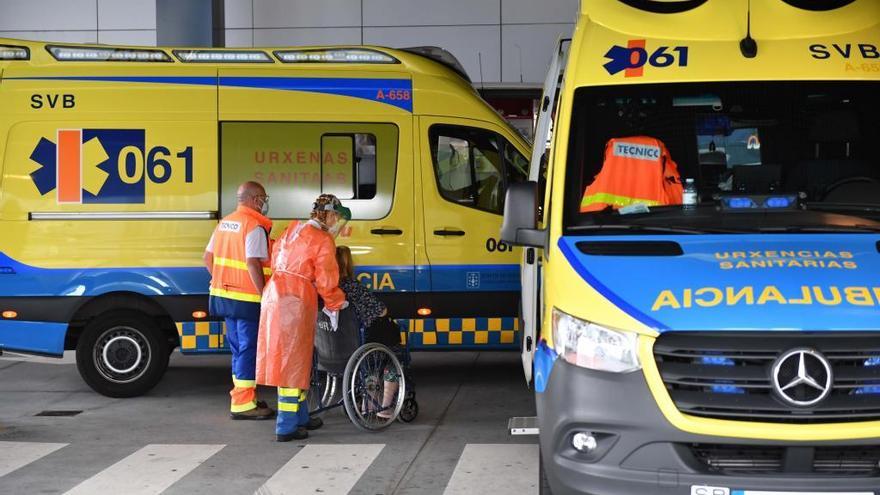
x: 519, y: 227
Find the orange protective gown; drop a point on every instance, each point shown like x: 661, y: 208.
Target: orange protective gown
x: 303, y: 266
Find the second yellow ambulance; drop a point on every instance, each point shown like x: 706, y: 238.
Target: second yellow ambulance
x: 115, y: 164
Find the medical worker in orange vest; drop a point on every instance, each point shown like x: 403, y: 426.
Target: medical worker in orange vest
x: 238, y: 258
x: 303, y: 267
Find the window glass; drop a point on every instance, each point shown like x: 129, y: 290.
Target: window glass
x: 365, y: 161
x: 517, y: 165
x: 453, y: 162
x: 810, y: 142
x: 296, y: 162
x: 337, y: 160
x: 473, y: 166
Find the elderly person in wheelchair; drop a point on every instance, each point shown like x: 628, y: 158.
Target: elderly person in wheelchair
x: 361, y: 346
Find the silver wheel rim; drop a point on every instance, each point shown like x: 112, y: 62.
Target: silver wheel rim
x: 122, y: 354
x: 371, y: 420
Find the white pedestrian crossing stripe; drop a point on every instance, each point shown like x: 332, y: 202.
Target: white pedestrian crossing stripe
x: 148, y: 471
x: 14, y: 455
x: 325, y: 469
x: 495, y: 468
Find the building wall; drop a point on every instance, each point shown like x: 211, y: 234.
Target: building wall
x: 119, y: 22
x: 507, y: 41
x: 511, y: 40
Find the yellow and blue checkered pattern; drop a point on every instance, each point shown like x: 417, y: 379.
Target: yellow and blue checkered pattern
x: 202, y: 336
x: 423, y: 333
x: 433, y: 333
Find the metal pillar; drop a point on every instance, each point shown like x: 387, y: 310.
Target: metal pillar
x: 190, y: 22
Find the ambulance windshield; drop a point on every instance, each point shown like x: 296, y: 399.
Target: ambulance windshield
x: 799, y: 154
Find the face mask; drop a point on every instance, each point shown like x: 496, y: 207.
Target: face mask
x: 264, y: 210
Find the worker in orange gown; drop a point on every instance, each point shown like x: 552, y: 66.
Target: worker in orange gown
x: 303, y: 268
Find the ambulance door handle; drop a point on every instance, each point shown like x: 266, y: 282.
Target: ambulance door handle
x: 449, y: 232
x: 386, y: 231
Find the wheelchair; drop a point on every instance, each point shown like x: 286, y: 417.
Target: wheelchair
x: 370, y: 380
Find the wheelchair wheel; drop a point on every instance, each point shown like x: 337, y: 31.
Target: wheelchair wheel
x: 322, y: 389
x: 373, y: 399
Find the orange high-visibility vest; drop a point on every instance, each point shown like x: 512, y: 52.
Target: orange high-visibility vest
x: 636, y: 169
x: 230, y: 278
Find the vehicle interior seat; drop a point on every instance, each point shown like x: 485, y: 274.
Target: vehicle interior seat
x: 834, y: 134
x: 487, y: 194
x: 857, y: 190
x: 756, y: 179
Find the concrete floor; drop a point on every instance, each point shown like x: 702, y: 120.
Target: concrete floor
x: 178, y: 438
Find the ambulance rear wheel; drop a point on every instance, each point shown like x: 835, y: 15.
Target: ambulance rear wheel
x: 122, y: 354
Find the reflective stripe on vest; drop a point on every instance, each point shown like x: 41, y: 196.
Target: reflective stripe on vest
x: 597, y: 202
x: 238, y: 265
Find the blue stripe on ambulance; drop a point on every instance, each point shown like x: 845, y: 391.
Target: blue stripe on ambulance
x: 440, y: 278
x: 149, y: 281
x: 784, y: 282
x: 21, y: 280
x: 33, y: 336
x: 157, y: 281
x: 373, y: 89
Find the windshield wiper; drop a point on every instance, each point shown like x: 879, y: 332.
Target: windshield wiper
x: 636, y: 228
x: 857, y: 229
x: 861, y: 207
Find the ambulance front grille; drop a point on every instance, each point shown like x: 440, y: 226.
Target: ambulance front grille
x: 851, y: 461
x: 727, y: 375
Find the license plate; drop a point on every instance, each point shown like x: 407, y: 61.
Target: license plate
x: 718, y: 490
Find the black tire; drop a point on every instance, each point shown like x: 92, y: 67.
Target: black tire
x: 122, y: 354
x: 409, y: 412
x: 361, y: 391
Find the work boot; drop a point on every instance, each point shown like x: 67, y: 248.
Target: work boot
x: 314, y: 423
x: 298, y: 434
x: 257, y: 413
x: 389, y: 393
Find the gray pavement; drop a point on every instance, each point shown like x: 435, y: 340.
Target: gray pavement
x: 178, y: 438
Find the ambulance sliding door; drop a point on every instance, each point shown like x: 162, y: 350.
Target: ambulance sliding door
x: 299, y: 144
x: 466, y: 166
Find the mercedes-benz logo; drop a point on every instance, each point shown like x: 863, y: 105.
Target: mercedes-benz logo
x: 802, y: 377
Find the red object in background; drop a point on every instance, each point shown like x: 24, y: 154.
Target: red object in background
x: 519, y: 112
x: 513, y: 108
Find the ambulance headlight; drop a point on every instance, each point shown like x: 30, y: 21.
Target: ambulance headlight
x: 595, y: 347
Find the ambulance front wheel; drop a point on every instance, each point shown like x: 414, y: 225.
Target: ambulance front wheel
x: 122, y: 354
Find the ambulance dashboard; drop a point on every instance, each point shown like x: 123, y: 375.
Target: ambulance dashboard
x: 807, y: 147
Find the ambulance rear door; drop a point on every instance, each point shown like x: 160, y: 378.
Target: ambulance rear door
x: 531, y: 305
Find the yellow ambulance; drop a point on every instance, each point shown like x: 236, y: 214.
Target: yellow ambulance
x: 724, y: 340
x: 116, y: 163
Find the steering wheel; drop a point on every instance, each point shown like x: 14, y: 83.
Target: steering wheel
x: 846, y: 181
